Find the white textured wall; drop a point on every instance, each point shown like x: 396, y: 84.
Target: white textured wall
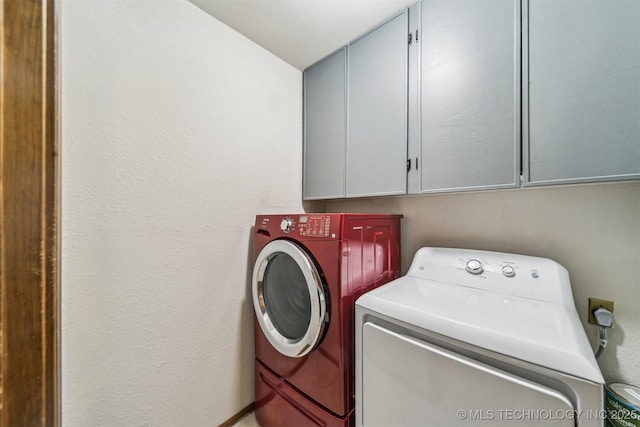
x: 593, y: 230
x: 176, y: 132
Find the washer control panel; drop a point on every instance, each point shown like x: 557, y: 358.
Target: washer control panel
x: 314, y: 225
x: 305, y: 225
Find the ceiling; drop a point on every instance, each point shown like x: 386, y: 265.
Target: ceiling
x: 302, y: 32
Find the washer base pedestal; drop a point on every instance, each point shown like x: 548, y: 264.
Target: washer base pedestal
x: 278, y: 404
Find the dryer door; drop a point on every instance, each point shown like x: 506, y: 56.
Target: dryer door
x: 289, y: 298
x: 403, y: 381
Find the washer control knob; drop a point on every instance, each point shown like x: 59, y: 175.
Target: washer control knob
x: 286, y: 225
x: 474, y: 266
x: 508, y: 271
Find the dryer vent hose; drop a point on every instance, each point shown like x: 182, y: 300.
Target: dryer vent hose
x: 604, y: 319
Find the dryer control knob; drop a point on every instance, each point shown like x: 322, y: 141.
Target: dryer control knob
x: 474, y: 266
x: 508, y: 271
x: 286, y: 225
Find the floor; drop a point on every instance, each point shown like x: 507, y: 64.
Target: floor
x: 248, y: 420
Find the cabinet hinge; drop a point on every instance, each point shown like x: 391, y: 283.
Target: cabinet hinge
x: 408, y: 165
x: 410, y: 38
x: 416, y: 36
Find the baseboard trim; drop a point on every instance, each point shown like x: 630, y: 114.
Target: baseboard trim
x: 237, y: 417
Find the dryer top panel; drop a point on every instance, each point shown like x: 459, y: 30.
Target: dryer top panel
x: 515, y: 305
x: 507, y: 274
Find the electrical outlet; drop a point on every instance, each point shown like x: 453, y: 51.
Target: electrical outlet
x: 595, y: 303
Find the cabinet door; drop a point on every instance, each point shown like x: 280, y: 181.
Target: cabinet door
x: 377, y: 141
x: 470, y: 94
x: 325, y: 128
x: 583, y: 86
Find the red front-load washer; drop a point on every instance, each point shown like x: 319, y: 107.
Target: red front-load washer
x: 309, y: 269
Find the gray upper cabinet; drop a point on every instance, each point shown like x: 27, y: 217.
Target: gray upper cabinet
x: 457, y: 95
x: 469, y: 86
x: 325, y: 118
x: 377, y: 113
x: 582, y: 100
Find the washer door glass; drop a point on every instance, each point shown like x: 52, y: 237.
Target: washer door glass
x: 288, y: 298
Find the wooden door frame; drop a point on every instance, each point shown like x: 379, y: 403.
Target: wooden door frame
x: 29, y: 189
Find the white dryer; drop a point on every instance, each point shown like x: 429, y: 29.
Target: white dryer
x: 472, y: 338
